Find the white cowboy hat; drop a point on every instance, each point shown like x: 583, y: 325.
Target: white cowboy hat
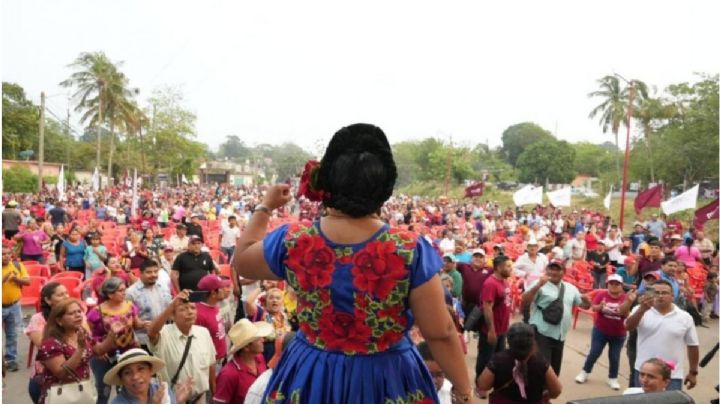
x: 244, y: 332
x: 135, y: 355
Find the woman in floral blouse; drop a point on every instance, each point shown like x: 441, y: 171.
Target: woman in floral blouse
x: 356, y: 280
x: 66, y: 345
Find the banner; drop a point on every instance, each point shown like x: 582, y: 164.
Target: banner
x: 649, y: 198
x: 707, y: 212
x: 96, y: 180
x: 61, y: 184
x: 475, y: 190
x: 527, y: 195
x: 608, y: 198
x: 686, y: 200
x: 561, y: 197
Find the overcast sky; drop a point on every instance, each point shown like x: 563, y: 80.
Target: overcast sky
x: 278, y: 71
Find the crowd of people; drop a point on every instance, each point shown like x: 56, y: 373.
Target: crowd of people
x: 232, y: 294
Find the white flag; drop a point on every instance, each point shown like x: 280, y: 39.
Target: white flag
x: 686, y: 200
x: 184, y: 180
x: 134, y: 203
x: 96, y: 180
x: 528, y: 194
x: 561, y: 197
x: 61, y: 184
x: 606, y: 201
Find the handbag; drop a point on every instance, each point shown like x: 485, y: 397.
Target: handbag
x: 553, y: 312
x: 79, y: 391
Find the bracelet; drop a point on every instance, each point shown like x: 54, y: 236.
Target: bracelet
x: 263, y: 208
x: 461, y: 398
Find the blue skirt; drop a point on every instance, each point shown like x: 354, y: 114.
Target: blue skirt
x: 307, y: 374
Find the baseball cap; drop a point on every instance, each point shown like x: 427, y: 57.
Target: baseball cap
x: 556, y: 264
x: 12, y: 204
x: 194, y: 215
x: 449, y: 257
x: 194, y: 238
x: 654, y: 274
x: 169, y: 248
x: 478, y: 251
x: 614, y: 278
x: 212, y: 282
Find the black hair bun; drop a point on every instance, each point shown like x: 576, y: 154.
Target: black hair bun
x: 358, y: 170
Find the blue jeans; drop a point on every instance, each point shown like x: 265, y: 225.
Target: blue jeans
x: 675, y: 384
x: 597, y: 345
x: 12, y: 320
x: 99, y: 367
x: 34, y: 389
x: 229, y: 251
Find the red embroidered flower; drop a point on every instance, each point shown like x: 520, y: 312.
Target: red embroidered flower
x: 312, y: 261
x: 309, y: 332
x: 343, y: 331
x: 409, y: 239
x: 393, y: 312
x: 308, y: 182
x: 388, y: 339
x: 377, y: 268
x: 426, y: 400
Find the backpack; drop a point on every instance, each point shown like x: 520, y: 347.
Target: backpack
x: 553, y: 312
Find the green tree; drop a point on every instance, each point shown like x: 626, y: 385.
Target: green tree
x: 19, y: 121
x: 235, y: 149
x: 593, y: 159
x: 547, y: 160
x: 517, y: 138
x: 102, y: 95
x: 612, y: 109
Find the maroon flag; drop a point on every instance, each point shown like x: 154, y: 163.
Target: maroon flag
x: 707, y: 212
x: 475, y: 190
x: 650, y: 198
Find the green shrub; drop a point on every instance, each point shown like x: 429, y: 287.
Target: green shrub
x: 19, y: 179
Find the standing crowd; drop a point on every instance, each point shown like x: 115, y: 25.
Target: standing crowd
x: 121, y: 296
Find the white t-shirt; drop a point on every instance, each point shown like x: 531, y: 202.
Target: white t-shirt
x: 247, y: 289
x: 526, y: 268
x: 447, y: 246
x: 229, y: 236
x: 614, y: 253
x: 445, y: 393
x: 257, y: 389
x: 665, y: 336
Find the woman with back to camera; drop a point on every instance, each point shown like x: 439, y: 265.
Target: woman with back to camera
x: 518, y: 374
x: 356, y: 280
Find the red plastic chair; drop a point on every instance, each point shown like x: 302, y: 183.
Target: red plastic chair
x: 68, y: 274
x: 26, y: 263
x: 38, y: 270
x: 71, y: 284
x: 578, y: 310
x: 31, y: 293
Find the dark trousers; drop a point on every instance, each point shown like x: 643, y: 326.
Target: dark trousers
x: 597, y: 345
x: 486, y: 351
x: 632, y: 355
x: 34, y: 389
x: 239, y: 310
x: 551, y: 349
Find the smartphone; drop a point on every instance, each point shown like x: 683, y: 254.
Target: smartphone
x: 650, y: 291
x: 198, y: 296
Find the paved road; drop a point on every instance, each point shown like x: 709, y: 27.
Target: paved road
x: 576, y: 348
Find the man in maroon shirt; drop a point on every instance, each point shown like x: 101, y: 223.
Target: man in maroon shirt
x: 247, y: 362
x: 496, y: 301
x: 473, y: 275
x: 650, y: 263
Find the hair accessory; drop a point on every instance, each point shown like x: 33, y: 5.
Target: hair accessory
x: 309, y: 183
x: 669, y: 363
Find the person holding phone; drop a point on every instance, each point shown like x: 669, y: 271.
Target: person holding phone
x: 168, y: 342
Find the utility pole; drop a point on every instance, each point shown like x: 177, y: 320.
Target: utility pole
x: 41, y: 145
x: 627, y: 153
x: 69, y: 134
x: 449, y: 167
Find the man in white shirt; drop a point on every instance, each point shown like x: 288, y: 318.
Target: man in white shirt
x: 575, y: 249
x: 447, y: 244
x: 665, y: 331
x: 179, y: 240
x: 229, y: 234
x: 613, y: 243
x: 531, y: 265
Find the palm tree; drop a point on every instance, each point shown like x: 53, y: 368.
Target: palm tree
x: 612, y: 109
x: 648, y: 111
x: 102, y: 94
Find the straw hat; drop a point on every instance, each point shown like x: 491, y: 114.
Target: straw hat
x: 135, y: 355
x: 245, y: 332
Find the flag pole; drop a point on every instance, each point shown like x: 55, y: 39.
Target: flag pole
x: 627, y: 155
